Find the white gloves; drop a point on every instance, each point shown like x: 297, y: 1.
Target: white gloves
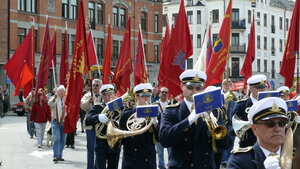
x: 102, y: 118
x: 272, y: 162
x: 193, y: 117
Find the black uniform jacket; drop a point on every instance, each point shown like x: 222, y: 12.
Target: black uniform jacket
x: 139, y: 150
x: 247, y: 159
x: 190, y: 146
x: 239, y: 109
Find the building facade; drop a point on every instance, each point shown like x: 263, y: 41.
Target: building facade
x: 18, y: 14
x: 272, y: 19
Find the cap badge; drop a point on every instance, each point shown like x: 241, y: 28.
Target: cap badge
x: 196, y: 78
x: 275, y: 108
x: 145, y: 90
x: 262, y: 82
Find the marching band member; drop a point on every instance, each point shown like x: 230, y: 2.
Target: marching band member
x: 86, y: 103
x: 284, y: 92
x: 105, y: 156
x: 268, y: 121
x: 139, y: 150
x: 256, y: 83
x: 184, y: 133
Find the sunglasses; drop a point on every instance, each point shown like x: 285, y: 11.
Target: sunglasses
x: 96, y: 85
x: 271, y: 124
x: 189, y: 87
x: 165, y: 92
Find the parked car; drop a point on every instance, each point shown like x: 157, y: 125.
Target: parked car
x: 18, y: 108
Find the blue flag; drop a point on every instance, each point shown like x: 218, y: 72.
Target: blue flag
x: 207, y: 101
x: 115, y: 104
x: 147, y: 111
x: 262, y: 95
x: 292, y: 105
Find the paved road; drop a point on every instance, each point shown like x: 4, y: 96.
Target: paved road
x: 18, y: 151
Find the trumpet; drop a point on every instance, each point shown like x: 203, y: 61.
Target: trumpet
x: 100, y: 127
x: 217, y: 131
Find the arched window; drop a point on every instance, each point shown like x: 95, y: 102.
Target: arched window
x: 119, y: 17
x: 143, y: 21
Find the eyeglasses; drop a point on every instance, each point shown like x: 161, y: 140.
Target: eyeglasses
x: 164, y: 92
x: 96, y: 85
x: 271, y: 124
x: 189, y: 87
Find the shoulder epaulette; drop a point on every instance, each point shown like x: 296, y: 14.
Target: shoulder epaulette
x: 173, y: 105
x: 242, y: 100
x: 241, y: 150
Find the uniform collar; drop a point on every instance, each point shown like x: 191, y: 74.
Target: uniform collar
x: 188, y: 104
x: 267, y: 152
x: 253, y: 99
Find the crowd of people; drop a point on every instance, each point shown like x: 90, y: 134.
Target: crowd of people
x: 178, y: 129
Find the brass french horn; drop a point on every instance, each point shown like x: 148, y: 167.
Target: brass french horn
x: 127, y: 97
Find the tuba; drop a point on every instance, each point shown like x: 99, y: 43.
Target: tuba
x: 239, y: 126
x: 99, y: 127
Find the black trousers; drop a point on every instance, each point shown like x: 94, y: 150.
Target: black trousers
x: 70, y: 139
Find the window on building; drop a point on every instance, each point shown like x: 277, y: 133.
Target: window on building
x: 214, y: 36
x: 280, y: 23
x: 235, y: 41
x: 198, y: 17
x: 21, y: 35
x: 73, y: 11
x: 235, y: 67
x: 100, y: 11
x: 156, y: 23
x: 272, y: 24
x: 99, y: 48
x: 249, y: 16
x: 273, y: 49
x: 280, y: 45
x: 119, y: 17
x: 215, y: 16
x: 164, y: 21
x: 145, y: 51
x: 265, y: 43
x: 199, y: 41
x: 189, y: 63
x: 115, y: 49
x: 258, y: 42
x: 286, y: 24
x: 92, y: 14
x: 27, y: 6
x: 258, y: 18
x: 190, y: 17
x: 265, y: 19
x: 273, y: 69
x: 258, y: 65
x: 192, y: 38
x: 174, y: 17
x: 235, y: 17
x: 265, y: 65
x: 65, y: 8
x: 72, y: 44
x: 144, y: 21
x: 156, y: 53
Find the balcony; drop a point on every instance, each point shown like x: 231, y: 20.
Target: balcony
x: 239, y: 24
x: 273, y: 29
x: 240, y: 49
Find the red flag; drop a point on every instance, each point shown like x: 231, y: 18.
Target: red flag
x: 124, y: 66
x: 26, y: 77
x: 64, y: 63
x: 140, y: 72
x: 45, y: 61
x: 92, y: 58
x: 53, y: 45
x: 220, y: 53
x: 180, y: 48
x: 15, y: 66
x: 287, y: 68
x: 246, y: 70
x: 107, y: 57
x: 163, y: 56
x: 75, y: 81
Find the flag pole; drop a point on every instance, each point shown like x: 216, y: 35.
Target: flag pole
x: 145, y: 62
x: 90, y: 74
x: 32, y: 49
x: 53, y: 67
x: 96, y: 52
x: 227, y: 57
x: 297, y: 85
